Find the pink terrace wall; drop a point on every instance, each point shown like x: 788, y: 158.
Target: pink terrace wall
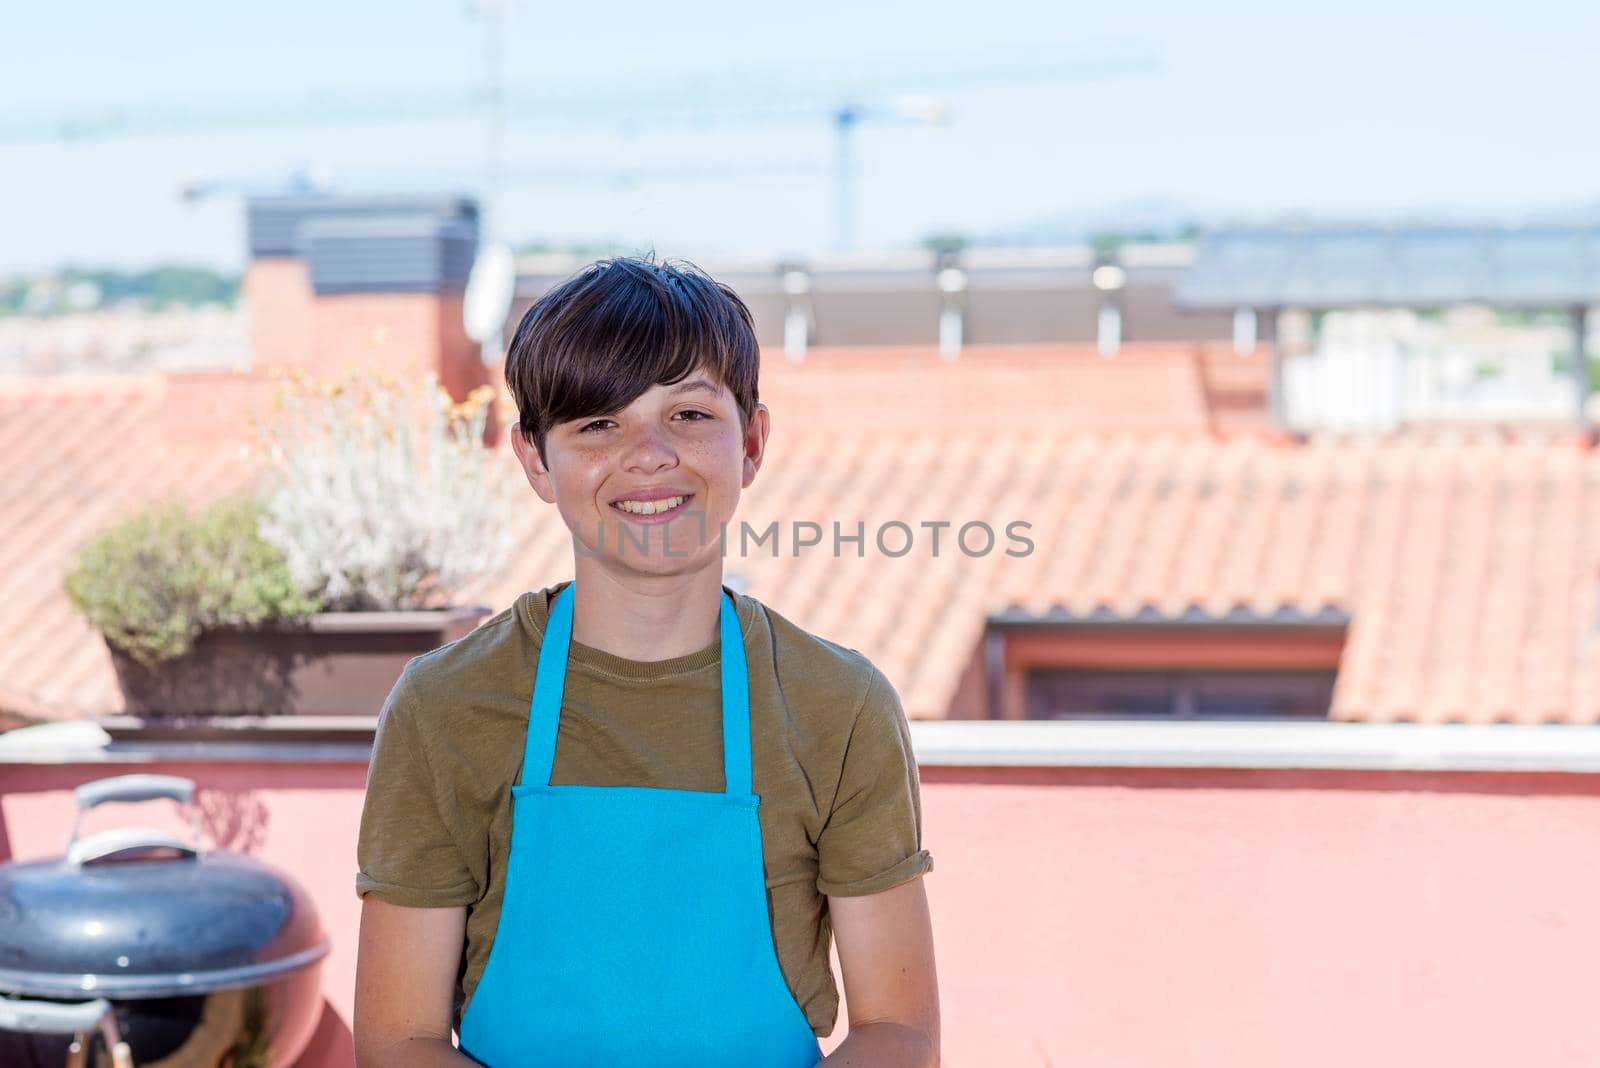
x: 1125, y: 918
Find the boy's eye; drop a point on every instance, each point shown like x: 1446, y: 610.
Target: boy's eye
x: 599, y: 424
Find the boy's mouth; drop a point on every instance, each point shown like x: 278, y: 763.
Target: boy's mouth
x: 657, y: 511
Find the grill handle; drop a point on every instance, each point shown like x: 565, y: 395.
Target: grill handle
x: 52, y: 1017
x: 56, y: 1018
x: 108, y: 844
x: 137, y: 787
x: 133, y: 788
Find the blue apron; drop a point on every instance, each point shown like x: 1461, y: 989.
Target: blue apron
x: 634, y: 927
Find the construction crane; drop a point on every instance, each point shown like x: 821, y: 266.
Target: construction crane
x: 846, y: 118
x: 878, y: 97
x: 312, y: 177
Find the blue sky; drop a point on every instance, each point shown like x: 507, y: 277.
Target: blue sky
x: 1238, y: 109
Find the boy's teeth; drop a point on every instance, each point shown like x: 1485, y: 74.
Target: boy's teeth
x: 666, y: 504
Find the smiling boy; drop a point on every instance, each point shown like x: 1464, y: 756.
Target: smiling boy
x: 617, y: 823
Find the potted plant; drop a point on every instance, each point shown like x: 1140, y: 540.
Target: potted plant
x: 376, y: 518
x: 165, y: 586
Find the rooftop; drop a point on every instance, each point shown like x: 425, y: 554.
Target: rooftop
x: 1464, y: 559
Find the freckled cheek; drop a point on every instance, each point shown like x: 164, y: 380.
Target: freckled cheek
x: 593, y: 467
x: 718, y: 461
x: 582, y: 479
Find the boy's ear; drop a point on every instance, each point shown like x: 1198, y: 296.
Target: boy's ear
x: 532, y: 466
x: 755, y: 443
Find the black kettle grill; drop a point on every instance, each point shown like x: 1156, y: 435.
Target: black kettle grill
x: 137, y: 948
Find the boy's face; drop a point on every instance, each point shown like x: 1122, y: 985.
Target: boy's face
x: 603, y: 471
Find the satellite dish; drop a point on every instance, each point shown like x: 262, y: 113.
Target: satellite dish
x: 489, y: 291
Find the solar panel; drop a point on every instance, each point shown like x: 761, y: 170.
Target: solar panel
x: 1406, y: 266
x: 1441, y: 266
x: 1343, y: 267
x: 1236, y: 268
x: 1531, y: 264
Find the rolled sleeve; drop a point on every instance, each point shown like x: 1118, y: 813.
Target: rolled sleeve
x: 873, y: 836
x: 407, y: 852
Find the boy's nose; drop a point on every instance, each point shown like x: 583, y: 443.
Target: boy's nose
x: 648, y: 446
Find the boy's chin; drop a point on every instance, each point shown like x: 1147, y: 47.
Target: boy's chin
x: 680, y: 554
x: 689, y: 562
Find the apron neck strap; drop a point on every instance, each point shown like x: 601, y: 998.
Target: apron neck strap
x: 549, y: 684
x: 735, y: 704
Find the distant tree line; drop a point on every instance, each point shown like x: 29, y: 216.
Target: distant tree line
x: 85, y: 288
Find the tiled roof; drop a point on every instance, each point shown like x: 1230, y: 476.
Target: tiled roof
x: 1462, y: 560
x: 1465, y: 558
x: 80, y: 452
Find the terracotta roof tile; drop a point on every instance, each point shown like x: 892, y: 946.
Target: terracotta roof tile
x: 1467, y: 559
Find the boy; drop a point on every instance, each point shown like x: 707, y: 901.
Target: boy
x: 615, y: 824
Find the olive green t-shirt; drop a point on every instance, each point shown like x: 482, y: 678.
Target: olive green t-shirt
x: 831, y: 759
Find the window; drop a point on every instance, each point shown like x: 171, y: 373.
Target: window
x: 1243, y: 665
x: 1054, y: 693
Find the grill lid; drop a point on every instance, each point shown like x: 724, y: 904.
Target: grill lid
x: 134, y: 912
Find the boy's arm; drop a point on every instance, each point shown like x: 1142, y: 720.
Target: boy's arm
x: 885, y: 943
x: 405, y: 982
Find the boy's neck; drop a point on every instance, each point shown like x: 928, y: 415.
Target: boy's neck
x: 647, y: 618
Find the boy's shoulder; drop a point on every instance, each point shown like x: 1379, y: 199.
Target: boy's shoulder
x: 499, y: 655
x: 827, y: 669
x: 490, y: 656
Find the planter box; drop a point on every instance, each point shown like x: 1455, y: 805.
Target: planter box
x: 328, y: 664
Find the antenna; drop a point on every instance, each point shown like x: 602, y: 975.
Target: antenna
x: 492, y: 282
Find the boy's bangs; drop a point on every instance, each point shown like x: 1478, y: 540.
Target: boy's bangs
x: 619, y: 356
x: 602, y: 339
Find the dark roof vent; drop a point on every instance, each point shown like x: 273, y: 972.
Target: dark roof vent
x: 389, y: 253
x: 273, y: 223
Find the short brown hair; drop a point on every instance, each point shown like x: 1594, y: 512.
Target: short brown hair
x: 602, y: 338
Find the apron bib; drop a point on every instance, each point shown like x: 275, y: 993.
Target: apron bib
x: 634, y: 927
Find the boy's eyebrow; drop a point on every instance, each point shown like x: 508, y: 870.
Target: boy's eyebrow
x: 682, y: 387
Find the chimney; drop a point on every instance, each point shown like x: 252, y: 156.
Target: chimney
x: 338, y: 282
